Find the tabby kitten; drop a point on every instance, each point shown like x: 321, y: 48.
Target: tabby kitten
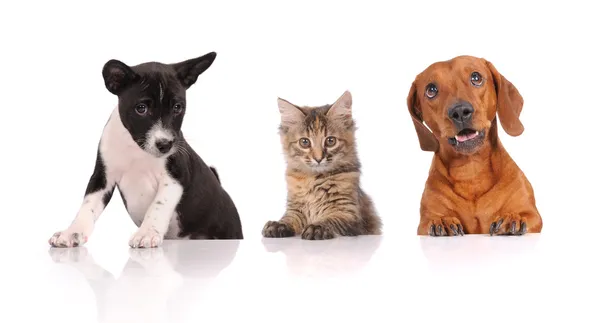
x: 323, y: 171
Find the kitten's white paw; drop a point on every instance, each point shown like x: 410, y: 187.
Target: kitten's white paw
x: 146, y: 238
x: 72, y: 237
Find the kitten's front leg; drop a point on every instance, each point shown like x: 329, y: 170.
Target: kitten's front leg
x: 291, y: 223
x: 156, y: 221
x: 97, y: 195
x: 336, y: 221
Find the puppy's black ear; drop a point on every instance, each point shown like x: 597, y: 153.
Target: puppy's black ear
x: 117, y: 76
x: 188, y: 71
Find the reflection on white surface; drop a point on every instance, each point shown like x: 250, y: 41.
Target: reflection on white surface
x: 324, y: 259
x: 369, y: 278
x: 476, y: 251
x: 155, y: 283
x: 492, y: 267
x: 528, y: 278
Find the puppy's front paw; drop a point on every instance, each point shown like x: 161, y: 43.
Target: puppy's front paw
x: 445, y: 226
x: 72, y: 237
x: 146, y: 238
x: 317, y: 232
x: 276, y: 229
x: 510, y: 224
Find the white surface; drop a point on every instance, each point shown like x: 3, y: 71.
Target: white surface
x: 54, y: 106
x: 373, y: 279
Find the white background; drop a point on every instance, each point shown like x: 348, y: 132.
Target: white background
x: 54, y: 104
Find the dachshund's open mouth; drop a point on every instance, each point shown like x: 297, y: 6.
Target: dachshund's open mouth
x: 467, y: 140
x: 466, y: 134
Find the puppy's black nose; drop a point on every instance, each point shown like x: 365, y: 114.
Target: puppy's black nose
x: 461, y: 113
x: 164, y: 145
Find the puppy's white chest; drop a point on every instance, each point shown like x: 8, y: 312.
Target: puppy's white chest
x: 137, y: 174
x: 139, y: 187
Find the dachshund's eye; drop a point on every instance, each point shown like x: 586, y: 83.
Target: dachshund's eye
x: 476, y: 79
x: 431, y: 90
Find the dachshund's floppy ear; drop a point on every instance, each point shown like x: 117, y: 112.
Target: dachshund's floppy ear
x: 509, y: 103
x: 426, y: 138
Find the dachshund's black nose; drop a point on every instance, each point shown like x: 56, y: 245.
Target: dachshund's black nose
x: 461, y: 114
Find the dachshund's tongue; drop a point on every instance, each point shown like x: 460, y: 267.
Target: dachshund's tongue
x: 465, y: 137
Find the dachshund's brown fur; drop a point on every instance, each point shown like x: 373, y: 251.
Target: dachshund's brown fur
x: 481, y: 190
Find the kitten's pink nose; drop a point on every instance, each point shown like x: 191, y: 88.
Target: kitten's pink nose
x: 318, y: 160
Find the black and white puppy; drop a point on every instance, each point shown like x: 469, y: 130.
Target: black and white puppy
x: 167, y: 189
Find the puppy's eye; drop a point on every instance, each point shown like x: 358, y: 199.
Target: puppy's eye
x: 330, y: 141
x: 304, y: 142
x: 177, y: 108
x: 476, y: 79
x: 431, y: 90
x: 141, y: 109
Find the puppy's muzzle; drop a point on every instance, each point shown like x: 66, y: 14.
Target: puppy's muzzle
x: 164, y: 145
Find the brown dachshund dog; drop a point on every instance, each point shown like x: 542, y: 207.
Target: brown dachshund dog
x: 474, y: 187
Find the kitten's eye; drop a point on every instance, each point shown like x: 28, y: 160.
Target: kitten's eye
x: 141, y: 109
x: 431, y: 90
x: 330, y: 141
x: 304, y: 142
x: 177, y: 108
x: 476, y: 79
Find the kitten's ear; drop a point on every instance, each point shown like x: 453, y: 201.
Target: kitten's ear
x: 290, y: 114
x: 342, y: 108
x: 117, y: 76
x: 188, y: 71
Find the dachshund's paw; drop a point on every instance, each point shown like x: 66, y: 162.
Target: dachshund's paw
x: 445, y: 226
x: 317, y: 232
x: 276, y: 229
x: 510, y: 224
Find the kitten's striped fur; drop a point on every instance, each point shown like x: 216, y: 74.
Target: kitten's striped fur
x: 324, y: 198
